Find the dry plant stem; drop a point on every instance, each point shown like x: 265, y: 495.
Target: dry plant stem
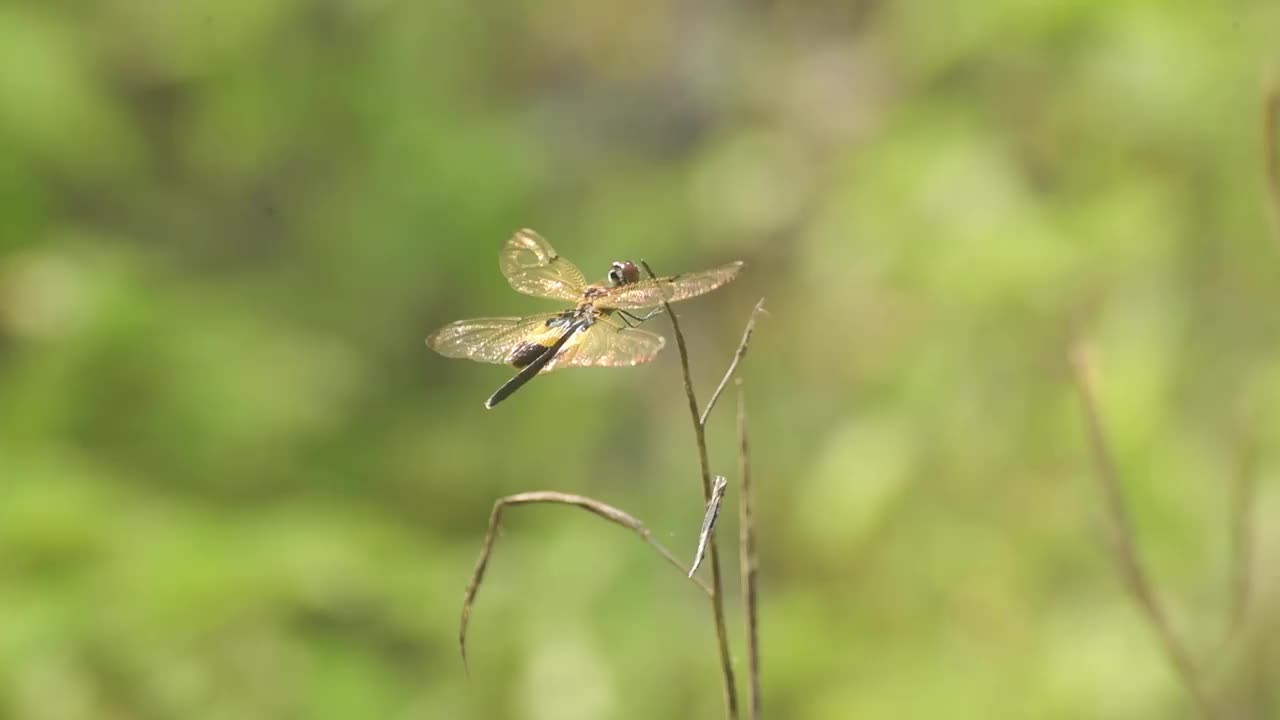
x: 717, y: 584
x: 749, y: 563
x: 733, y: 365
x: 591, y: 505
x: 1122, y: 542
x: 1271, y: 148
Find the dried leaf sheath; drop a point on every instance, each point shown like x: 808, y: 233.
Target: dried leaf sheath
x: 709, y: 522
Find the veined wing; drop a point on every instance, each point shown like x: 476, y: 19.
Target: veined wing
x: 651, y: 292
x: 607, y: 345
x: 533, y: 267
x: 491, y: 340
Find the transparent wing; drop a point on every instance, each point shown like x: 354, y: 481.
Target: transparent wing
x: 650, y: 292
x: 491, y: 340
x: 607, y: 345
x: 533, y: 267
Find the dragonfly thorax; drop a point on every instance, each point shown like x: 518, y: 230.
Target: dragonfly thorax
x: 585, y: 314
x: 559, y: 328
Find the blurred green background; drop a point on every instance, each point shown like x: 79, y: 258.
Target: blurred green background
x: 234, y: 483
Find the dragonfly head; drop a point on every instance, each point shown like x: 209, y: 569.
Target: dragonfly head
x: 623, y: 273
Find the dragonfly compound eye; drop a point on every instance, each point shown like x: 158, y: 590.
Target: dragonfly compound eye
x: 623, y: 273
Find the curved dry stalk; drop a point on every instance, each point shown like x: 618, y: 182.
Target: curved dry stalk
x: 717, y: 584
x: 749, y: 563
x: 591, y: 505
x: 1123, y: 546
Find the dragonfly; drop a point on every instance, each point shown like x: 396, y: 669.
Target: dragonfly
x: 599, y: 330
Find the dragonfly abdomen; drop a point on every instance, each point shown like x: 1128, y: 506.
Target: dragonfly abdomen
x: 526, y: 352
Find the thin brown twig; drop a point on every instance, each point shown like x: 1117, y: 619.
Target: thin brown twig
x: 603, y: 510
x: 733, y: 365
x: 749, y: 563
x: 717, y: 584
x: 1271, y: 147
x: 1122, y: 537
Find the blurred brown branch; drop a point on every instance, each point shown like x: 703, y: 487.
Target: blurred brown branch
x: 1271, y: 147
x: 1244, y: 489
x: 1123, y: 546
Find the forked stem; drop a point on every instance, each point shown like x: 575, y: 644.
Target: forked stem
x: 717, y: 584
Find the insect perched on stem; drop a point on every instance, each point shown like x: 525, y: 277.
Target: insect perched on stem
x: 599, y: 330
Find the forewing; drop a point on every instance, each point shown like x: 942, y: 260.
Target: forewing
x: 533, y: 267
x: 489, y: 340
x: 607, y: 345
x: 650, y: 292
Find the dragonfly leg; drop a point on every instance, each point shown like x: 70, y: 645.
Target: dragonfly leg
x: 633, y: 320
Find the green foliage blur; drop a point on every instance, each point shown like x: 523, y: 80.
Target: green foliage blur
x: 234, y: 483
